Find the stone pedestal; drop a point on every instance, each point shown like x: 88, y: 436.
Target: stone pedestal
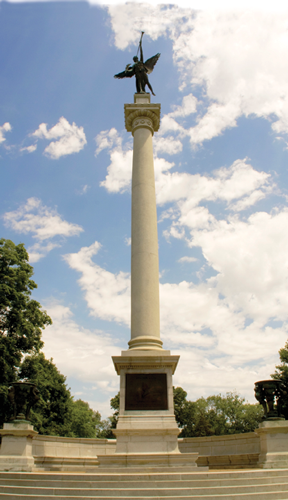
x: 146, y: 421
x: 273, y: 444
x: 147, y: 430
x: 16, y: 446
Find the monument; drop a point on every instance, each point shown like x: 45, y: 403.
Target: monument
x: 146, y: 430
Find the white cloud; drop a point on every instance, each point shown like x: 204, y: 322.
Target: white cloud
x: 250, y: 258
x: 108, y: 139
x: 119, y: 172
x: 219, y: 375
x: 258, y: 5
x: 187, y: 259
x: 118, y: 178
x: 72, y: 139
x: 168, y: 145
x: 169, y: 124
x: 30, y: 149
x: 188, y: 106
x: 238, y: 182
x: 83, y: 190
x: 43, y: 222
x: 107, y: 294
x: 5, y: 128
x: 40, y: 250
x: 141, y: 17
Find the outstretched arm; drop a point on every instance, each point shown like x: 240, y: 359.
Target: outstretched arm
x: 127, y: 73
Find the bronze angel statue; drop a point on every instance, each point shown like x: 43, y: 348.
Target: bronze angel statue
x: 140, y: 69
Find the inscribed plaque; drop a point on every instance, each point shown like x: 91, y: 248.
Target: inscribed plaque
x: 146, y: 391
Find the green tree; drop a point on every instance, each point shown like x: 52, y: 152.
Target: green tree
x: 52, y: 415
x: 21, y: 318
x: 111, y: 422
x: 185, y: 412
x: 56, y: 413
x: 281, y: 373
x: 84, y: 420
x: 228, y: 414
x: 214, y: 415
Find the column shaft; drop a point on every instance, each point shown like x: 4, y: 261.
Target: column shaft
x: 145, y: 323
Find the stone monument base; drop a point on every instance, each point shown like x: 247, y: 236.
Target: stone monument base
x: 16, y: 447
x: 146, y: 422
x: 147, y: 432
x: 273, y: 444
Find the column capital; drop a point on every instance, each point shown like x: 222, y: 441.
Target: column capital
x: 142, y: 114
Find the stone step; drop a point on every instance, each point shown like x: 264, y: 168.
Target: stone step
x: 232, y: 485
x: 274, y: 495
x: 149, y: 492
x: 127, y: 476
x: 165, y: 482
x: 245, y: 475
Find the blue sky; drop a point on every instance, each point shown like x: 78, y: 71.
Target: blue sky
x: 221, y: 183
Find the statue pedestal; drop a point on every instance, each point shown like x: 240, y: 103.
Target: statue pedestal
x: 147, y: 430
x: 16, y: 447
x: 273, y: 444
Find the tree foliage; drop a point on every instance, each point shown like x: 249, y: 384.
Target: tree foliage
x: 281, y: 373
x: 56, y: 413
x: 52, y: 414
x: 21, y: 318
x: 215, y: 415
x: 110, y: 423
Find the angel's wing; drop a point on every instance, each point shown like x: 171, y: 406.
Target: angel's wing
x: 129, y: 71
x: 150, y: 63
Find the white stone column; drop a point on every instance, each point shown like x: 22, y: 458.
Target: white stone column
x: 142, y: 119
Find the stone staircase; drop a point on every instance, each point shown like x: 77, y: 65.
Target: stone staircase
x: 106, y: 485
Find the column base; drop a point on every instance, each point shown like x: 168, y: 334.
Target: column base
x: 145, y: 342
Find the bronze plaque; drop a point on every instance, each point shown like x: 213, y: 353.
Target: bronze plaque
x: 146, y: 391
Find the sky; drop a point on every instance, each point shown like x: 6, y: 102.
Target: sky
x: 220, y: 160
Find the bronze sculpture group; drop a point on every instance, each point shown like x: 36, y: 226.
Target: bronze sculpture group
x: 140, y: 69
